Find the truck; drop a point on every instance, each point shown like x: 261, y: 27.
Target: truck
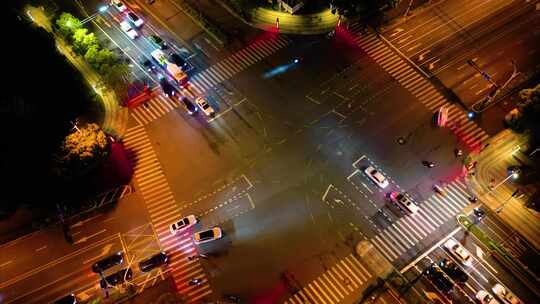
x: 176, y: 72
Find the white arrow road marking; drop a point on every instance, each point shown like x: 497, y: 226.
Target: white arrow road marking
x: 480, y: 254
x: 104, y: 251
x: 80, y: 223
x: 84, y: 239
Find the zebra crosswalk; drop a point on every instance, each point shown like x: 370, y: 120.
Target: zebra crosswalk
x: 466, y: 130
x: 163, y: 210
x: 335, y: 284
x: 237, y: 62
x: 153, y: 109
x: 405, y: 233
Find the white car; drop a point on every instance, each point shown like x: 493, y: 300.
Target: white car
x: 205, y: 107
x: 207, y: 235
x: 505, y: 295
x: 376, y: 177
x: 126, y: 27
x: 403, y: 202
x: 485, y: 298
x: 136, y: 20
x: 120, y: 6
x: 459, y: 252
x: 183, y: 224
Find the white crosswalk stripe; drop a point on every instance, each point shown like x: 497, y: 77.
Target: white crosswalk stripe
x: 155, y: 108
x: 466, y: 130
x: 336, y: 283
x: 408, y: 231
x: 162, y: 208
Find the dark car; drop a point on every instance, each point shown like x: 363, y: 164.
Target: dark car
x: 150, y: 67
x: 190, y: 107
x: 436, y: 276
x: 177, y: 59
x: 116, y: 278
x: 153, y: 262
x: 69, y: 299
x: 453, y: 271
x: 158, y: 42
x: 108, y: 262
x: 167, y: 87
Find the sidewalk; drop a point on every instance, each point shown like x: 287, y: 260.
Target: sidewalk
x: 115, y: 117
x: 320, y: 23
x: 492, y: 163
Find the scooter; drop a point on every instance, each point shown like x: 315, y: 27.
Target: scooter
x: 428, y: 164
x: 479, y: 213
x: 438, y: 189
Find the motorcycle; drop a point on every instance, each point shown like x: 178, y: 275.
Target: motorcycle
x: 195, y: 282
x: 438, y: 189
x: 428, y: 164
x: 458, y: 152
x: 479, y: 213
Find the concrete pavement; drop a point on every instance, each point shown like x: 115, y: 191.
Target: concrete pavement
x: 319, y: 23
x: 492, y: 163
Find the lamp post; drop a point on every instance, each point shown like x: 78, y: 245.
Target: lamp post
x: 101, y: 9
x: 514, y: 174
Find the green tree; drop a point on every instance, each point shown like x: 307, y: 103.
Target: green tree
x: 104, y: 59
x: 78, y: 40
x: 89, y: 41
x: 67, y: 24
x: 91, y: 56
x: 82, y: 151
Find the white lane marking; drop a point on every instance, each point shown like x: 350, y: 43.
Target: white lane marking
x: 250, y: 201
x: 41, y: 248
x: 366, y: 187
x: 480, y: 254
x: 326, y: 193
x: 361, y: 157
x: 353, y: 174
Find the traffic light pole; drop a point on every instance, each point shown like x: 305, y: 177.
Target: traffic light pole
x: 498, y: 88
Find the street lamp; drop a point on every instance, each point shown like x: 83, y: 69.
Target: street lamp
x: 101, y: 9
x: 514, y: 174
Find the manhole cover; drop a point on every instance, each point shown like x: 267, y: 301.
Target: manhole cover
x: 401, y: 140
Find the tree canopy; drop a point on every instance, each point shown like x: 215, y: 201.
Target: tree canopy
x: 82, y: 151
